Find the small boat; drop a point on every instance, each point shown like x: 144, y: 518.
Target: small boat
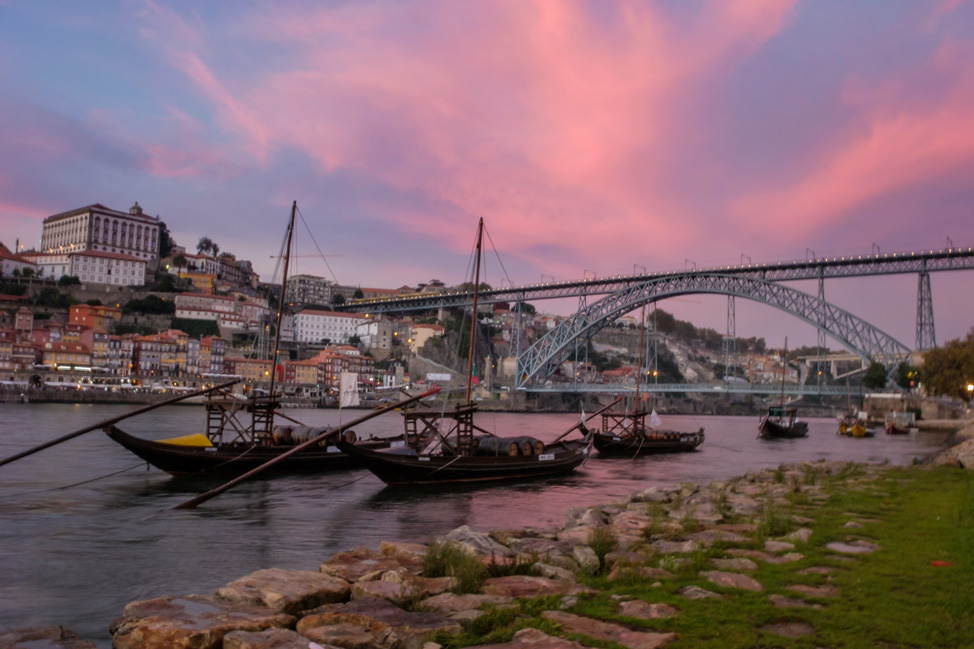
x: 241, y: 434
x: 854, y: 425
x: 900, y: 423
x: 626, y: 435
x: 461, y: 452
x: 782, y: 422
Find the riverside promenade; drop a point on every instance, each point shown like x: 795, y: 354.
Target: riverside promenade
x: 788, y: 556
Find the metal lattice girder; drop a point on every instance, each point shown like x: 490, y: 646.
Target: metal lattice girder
x: 547, y: 353
x: 926, y: 338
x: 818, y: 268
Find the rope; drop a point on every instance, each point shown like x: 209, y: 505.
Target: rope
x: 78, y: 484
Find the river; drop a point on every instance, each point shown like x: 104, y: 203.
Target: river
x: 86, y: 528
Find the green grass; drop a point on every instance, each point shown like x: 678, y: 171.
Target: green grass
x: 894, y: 598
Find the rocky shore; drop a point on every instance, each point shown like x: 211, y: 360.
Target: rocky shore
x: 394, y: 598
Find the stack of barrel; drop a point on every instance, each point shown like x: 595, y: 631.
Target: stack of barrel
x: 523, y: 445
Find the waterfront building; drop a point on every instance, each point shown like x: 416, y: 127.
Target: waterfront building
x: 65, y: 356
x: 238, y: 313
x: 95, y: 317
x: 212, y: 352
x: 314, y: 326
x: 256, y: 370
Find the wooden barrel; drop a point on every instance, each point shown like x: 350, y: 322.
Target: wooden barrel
x: 489, y: 445
x: 529, y: 445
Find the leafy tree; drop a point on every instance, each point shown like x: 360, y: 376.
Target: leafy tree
x: 150, y: 304
x: 907, y: 376
x: 875, y: 377
x: 196, y: 328
x: 358, y: 294
x: 338, y: 299
x: 525, y: 307
x: 53, y: 298
x: 947, y: 370
x: 354, y: 339
x: 165, y: 241
x: 68, y: 280
x: 93, y: 302
x: 205, y: 245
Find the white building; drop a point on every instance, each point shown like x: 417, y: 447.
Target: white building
x: 98, y: 228
x: 92, y: 267
x: 312, y: 326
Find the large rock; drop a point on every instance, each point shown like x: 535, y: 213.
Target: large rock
x: 610, y: 632
x: 356, y: 564
x: 42, y: 637
x: 961, y: 455
x: 190, y: 622
x: 731, y: 580
x: 269, y: 639
x: 287, y: 591
x: 526, y: 586
x: 534, y: 639
x: 362, y: 624
x: 477, y: 543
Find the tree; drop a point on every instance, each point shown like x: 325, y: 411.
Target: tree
x: 525, y: 307
x: 358, y: 294
x: 875, y: 377
x: 947, y: 370
x: 338, y: 299
x: 165, y: 241
x: 205, y: 245
x: 907, y: 376
x: 68, y: 280
x: 179, y: 261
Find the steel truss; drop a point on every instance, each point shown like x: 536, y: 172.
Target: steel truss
x: 543, y: 357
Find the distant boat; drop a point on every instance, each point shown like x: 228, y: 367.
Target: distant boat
x: 782, y: 422
x: 854, y: 425
x: 900, y: 423
x: 461, y: 452
x: 627, y: 435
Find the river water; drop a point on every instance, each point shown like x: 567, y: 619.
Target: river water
x: 86, y: 528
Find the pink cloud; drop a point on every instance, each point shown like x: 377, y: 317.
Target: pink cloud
x: 525, y: 113
x: 904, y: 139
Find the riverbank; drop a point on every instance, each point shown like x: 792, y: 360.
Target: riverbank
x: 816, y: 554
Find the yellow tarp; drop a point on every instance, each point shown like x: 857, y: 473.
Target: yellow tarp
x: 189, y: 440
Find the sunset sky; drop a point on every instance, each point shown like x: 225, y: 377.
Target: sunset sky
x: 593, y: 137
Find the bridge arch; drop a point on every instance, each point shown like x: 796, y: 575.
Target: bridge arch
x: 543, y: 357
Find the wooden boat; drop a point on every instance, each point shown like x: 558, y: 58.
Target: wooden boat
x: 782, y: 422
x: 854, y: 425
x: 241, y: 434
x: 217, y: 453
x: 456, y: 453
x: 626, y: 435
x: 900, y: 423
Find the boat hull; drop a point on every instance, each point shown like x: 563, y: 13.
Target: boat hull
x: 893, y: 429
x: 664, y: 441
x: 406, y: 467
x: 179, y: 460
x: 772, y: 430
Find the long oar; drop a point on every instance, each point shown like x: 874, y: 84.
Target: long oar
x: 594, y: 414
x: 115, y: 420
x: 202, y: 498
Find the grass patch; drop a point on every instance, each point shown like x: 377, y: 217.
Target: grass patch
x: 913, y: 592
x: 447, y: 559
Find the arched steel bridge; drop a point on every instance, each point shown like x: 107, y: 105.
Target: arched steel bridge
x: 759, y: 282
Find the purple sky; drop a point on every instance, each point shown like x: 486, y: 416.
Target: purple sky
x: 593, y: 137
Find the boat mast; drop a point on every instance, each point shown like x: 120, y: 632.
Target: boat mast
x: 280, y: 305
x: 784, y: 368
x: 639, y: 363
x: 473, y: 317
